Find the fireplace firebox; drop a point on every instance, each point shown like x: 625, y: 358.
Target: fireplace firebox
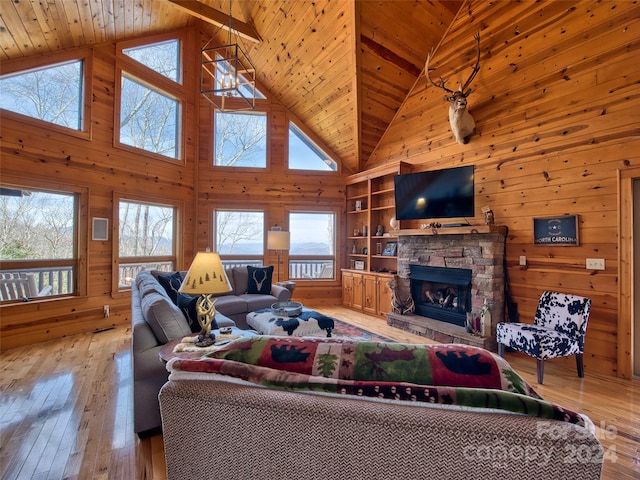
x: 441, y: 293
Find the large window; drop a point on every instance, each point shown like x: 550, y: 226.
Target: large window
x: 53, y: 94
x: 313, y: 245
x: 240, y: 139
x: 38, y: 248
x: 151, y: 97
x: 304, y: 154
x: 149, y: 119
x: 239, y: 237
x: 145, y: 239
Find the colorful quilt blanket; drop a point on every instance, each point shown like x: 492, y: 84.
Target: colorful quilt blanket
x: 449, y: 374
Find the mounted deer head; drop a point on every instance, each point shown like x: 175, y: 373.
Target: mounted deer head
x: 462, y: 124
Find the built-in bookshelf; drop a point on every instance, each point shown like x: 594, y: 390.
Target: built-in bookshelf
x: 372, y: 239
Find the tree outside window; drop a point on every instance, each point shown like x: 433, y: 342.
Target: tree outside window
x: 240, y: 140
x: 162, y: 57
x: 53, y: 94
x: 239, y: 237
x: 145, y: 239
x: 149, y: 119
x: 151, y: 107
x: 37, y: 238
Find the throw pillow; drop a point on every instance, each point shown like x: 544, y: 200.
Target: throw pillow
x: 187, y: 305
x: 259, y: 279
x: 171, y: 283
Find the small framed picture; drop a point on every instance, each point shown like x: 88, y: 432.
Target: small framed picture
x: 561, y: 230
x: 358, y: 205
x: 359, y: 265
x: 390, y: 249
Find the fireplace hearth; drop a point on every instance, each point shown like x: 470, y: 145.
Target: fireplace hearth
x: 477, y: 251
x: 441, y: 293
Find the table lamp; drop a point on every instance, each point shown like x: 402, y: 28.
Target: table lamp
x: 278, y: 240
x: 206, y: 277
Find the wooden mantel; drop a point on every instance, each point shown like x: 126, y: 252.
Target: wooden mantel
x: 465, y: 230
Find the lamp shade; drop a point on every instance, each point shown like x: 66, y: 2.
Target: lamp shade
x: 206, y: 275
x: 277, y: 240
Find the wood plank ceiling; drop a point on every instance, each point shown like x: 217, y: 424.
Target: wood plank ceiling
x: 342, y: 67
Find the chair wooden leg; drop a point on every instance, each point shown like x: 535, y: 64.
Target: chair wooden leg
x: 501, y: 349
x: 580, y: 365
x: 540, y: 370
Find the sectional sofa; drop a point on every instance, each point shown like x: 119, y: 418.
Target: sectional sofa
x: 156, y: 320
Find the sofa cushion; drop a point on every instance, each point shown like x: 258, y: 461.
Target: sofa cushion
x: 259, y: 279
x: 231, y: 305
x: 165, y: 319
x: 171, y: 284
x: 147, y: 283
x: 257, y: 302
x: 145, y: 287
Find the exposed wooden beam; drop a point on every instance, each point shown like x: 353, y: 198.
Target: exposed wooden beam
x: 217, y: 18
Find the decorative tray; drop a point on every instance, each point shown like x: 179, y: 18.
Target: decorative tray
x: 287, y: 309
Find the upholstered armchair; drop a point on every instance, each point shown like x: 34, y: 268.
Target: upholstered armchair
x: 559, y: 330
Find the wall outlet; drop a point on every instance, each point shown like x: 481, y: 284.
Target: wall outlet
x: 595, y: 263
x: 106, y: 311
x: 523, y: 260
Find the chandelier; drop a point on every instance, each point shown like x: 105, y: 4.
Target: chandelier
x: 227, y: 76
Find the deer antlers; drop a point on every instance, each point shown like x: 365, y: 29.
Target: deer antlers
x: 442, y: 82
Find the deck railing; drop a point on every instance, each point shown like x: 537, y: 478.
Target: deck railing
x: 310, y: 269
x: 298, y: 269
x: 62, y: 281
x: 128, y: 271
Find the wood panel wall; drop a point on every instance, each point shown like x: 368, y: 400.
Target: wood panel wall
x: 31, y: 153
x: 556, y: 105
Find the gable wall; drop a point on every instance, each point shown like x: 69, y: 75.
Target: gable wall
x: 556, y: 106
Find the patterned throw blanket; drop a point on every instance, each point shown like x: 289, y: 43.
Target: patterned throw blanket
x: 448, y: 374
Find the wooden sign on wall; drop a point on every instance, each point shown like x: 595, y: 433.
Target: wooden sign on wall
x: 561, y: 230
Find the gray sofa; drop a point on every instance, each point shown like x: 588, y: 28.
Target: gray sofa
x: 156, y: 320
x: 237, y: 303
x: 216, y: 426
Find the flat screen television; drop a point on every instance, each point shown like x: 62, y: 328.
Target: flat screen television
x: 445, y: 193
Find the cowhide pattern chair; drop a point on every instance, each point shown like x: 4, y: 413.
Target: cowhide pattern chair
x: 559, y: 330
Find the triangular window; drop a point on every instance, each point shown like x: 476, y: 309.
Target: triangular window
x: 162, y: 57
x: 304, y: 154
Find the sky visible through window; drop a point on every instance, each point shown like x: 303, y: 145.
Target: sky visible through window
x: 306, y: 155
x: 243, y: 233
x: 312, y: 233
x: 163, y: 57
x: 52, y: 94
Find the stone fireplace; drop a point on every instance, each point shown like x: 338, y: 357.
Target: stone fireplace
x: 441, y: 293
x: 465, y: 266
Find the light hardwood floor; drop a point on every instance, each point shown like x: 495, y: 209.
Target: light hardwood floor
x: 66, y: 412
